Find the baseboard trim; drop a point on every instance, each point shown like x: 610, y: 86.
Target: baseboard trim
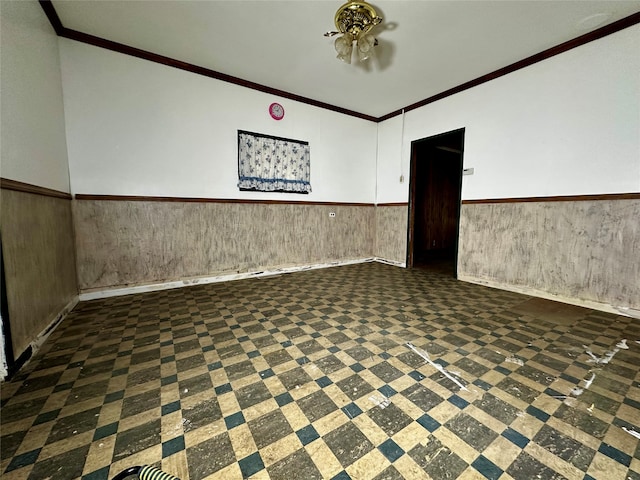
x: 154, y: 287
x: 603, y: 307
x: 395, y: 263
x: 42, y: 337
x: 35, y: 344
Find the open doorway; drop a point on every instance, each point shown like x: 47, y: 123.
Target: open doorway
x: 434, y: 202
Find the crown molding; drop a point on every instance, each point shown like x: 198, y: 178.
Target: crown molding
x: 65, y: 32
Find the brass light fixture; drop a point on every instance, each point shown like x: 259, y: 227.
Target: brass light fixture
x: 354, y: 20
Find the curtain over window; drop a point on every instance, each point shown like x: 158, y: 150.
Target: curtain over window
x: 272, y: 164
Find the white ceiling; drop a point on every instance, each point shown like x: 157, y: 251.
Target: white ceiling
x: 425, y: 47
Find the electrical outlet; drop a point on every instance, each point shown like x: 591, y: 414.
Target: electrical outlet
x: 332, y: 214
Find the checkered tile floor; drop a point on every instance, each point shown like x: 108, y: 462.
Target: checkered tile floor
x: 309, y: 376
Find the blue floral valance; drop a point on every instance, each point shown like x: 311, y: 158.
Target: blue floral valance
x: 272, y: 164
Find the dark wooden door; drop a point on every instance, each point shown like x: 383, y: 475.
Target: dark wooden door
x: 435, y: 204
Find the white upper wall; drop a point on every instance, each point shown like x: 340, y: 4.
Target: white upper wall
x: 569, y: 125
x: 33, y: 144
x: 135, y: 127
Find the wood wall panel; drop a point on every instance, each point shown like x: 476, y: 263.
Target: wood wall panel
x: 122, y: 243
x: 391, y: 232
x: 37, y: 243
x: 585, y: 250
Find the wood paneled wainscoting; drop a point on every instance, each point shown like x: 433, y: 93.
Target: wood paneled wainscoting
x: 129, y: 241
x: 39, y: 261
x: 391, y: 232
x: 581, y: 249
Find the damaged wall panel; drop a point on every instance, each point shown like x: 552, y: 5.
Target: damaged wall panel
x: 37, y: 243
x: 583, y: 250
x: 123, y: 243
x: 391, y: 232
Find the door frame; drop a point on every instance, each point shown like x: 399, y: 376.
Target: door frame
x: 6, y: 326
x: 412, y: 197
